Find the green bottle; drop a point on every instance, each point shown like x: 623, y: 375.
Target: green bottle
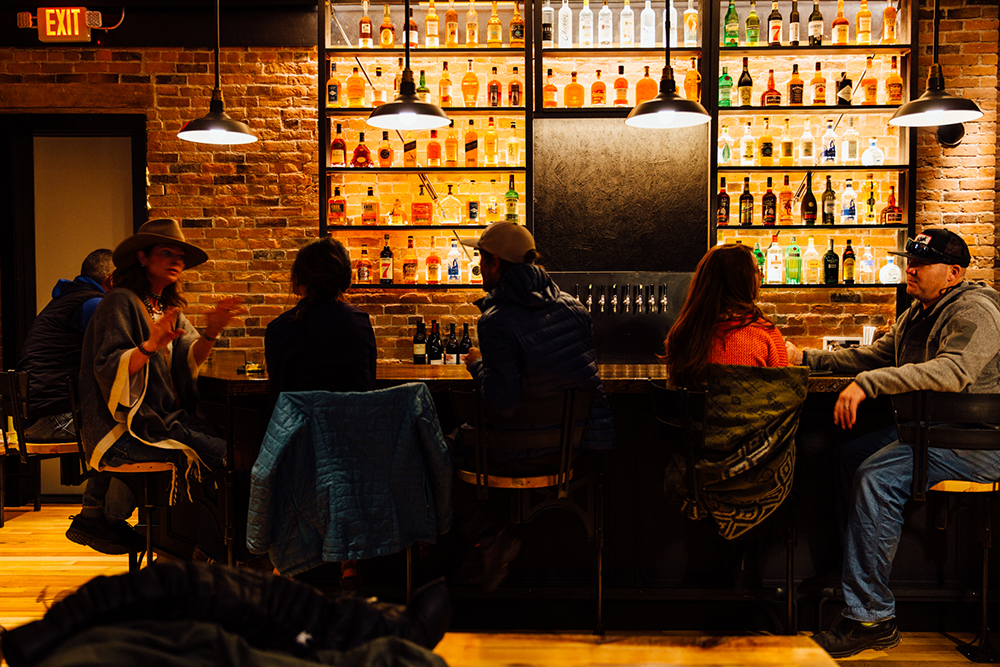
x: 753, y: 25
x: 725, y: 89
x: 510, y: 202
x: 793, y: 264
x: 732, y: 29
x: 759, y: 256
x: 423, y: 92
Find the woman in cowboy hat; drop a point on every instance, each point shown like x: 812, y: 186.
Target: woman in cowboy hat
x: 141, y: 357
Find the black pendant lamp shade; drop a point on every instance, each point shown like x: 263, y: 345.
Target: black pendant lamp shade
x: 217, y: 127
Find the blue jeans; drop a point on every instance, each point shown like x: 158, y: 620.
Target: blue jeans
x: 882, y: 485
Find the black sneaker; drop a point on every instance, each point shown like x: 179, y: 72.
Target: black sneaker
x: 103, y: 537
x: 850, y: 637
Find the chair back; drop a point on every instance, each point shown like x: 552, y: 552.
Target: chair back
x: 74, y: 405
x: 944, y: 419
x: 539, y: 422
x: 680, y: 414
x: 14, y: 408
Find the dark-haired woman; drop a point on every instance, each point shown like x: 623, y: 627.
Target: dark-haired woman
x: 720, y: 322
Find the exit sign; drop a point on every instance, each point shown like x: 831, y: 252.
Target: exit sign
x: 63, y: 24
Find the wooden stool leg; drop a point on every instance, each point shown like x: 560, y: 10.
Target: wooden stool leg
x: 982, y: 649
x: 37, y: 469
x: 599, y: 541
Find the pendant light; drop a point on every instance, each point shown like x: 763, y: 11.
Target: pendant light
x: 407, y: 111
x: 216, y: 127
x: 668, y: 109
x: 936, y: 106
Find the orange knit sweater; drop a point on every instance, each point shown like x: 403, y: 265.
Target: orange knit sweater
x: 759, y: 344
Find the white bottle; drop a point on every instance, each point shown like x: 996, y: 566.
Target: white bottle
x: 829, y: 144
x: 849, y: 146
x: 548, y: 19
x: 673, y: 25
x: 513, y: 147
x: 626, y: 27
x: 748, y: 148
x: 890, y: 273
x: 775, y: 263
x: 605, y: 27
x: 725, y: 147
x: 451, y: 209
x: 691, y: 25
x: 647, y: 27
x: 807, y: 147
x: 475, y: 272
x: 849, y: 205
x: 866, y: 270
x: 811, y: 264
x: 565, y: 26
x: 586, y: 33
x: 453, y: 263
x: 873, y: 155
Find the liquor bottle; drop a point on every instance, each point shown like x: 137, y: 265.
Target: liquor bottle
x: 809, y: 202
x: 494, y: 90
x: 336, y: 208
x: 465, y: 344
x: 873, y: 155
x: 471, y: 145
x: 338, y: 149
x: 831, y: 266
x: 890, y: 273
x: 811, y: 263
x: 396, y: 213
x: 626, y: 27
x: 818, y: 86
x: 748, y: 148
x: 793, y: 24
x: 848, y: 264
x: 829, y: 203
x: 731, y: 35
x: 796, y: 88
x: 566, y: 26
x: 845, y: 90
x: 365, y: 275
x: 451, y: 26
x: 769, y: 206
x: 475, y: 272
x: 385, y: 264
x: 849, y: 145
x: 451, y: 209
x: 849, y: 204
x: 517, y: 27
x: 785, y: 197
x: 722, y: 205
x: 514, y: 90
x: 423, y: 92
x: 690, y: 25
x: 673, y: 23
x: 746, y: 204
x: 772, y: 96
x: 333, y: 96
x: 369, y: 208
x: 472, y: 26
x: 766, y: 145
x: 422, y: 209
x: 573, y: 93
x: 492, y: 203
x: 387, y: 31
x: 774, y: 25
x: 889, y: 23
x: 891, y: 214
x: 513, y: 147
x: 807, y: 147
x: 869, y: 84
x: 445, y: 86
x: 692, y: 82
x: 816, y: 26
x: 431, y: 24
x: 725, y: 147
x: 385, y: 151
x: 378, y: 89
x: 549, y: 92
x: 605, y: 27
x: 365, y: 32
x: 829, y: 144
x: 420, y: 345
x: 470, y: 87
x: 451, y: 146
x: 598, y: 92
x: 893, y: 85
x: 645, y: 88
x: 494, y: 29
x: 745, y: 86
x: 355, y: 90
x: 863, y: 24
x: 752, y: 26
x: 510, y: 200
x: 451, y: 347
x: 786, y: 147
x: 548, y: 19
x: 775, y: 262
x: 432, y: 265
x: 793, y: 263
x: 435, y: 349
x: 621, y: 87
x: 490, y: 141
x: 411, y: 32
x: 409, y: 263
x: 647, y: 26
x: 586, y: 29
x: 866, y: 267
x: 725, y: 89
x: 453, y: 263
x: 397, y: 79
x: 758, y: 255
x: 362, y: 157
x: 841, y: 28
x: 472, y: 210
x: 409, y: 149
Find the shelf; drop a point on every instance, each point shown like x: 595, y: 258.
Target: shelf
x: 826, y: 49
x: 342, y: 52
x: 356, y: 286
x: 584, y: 112
x: 658, y: 53
x: 817, y: 168
x: 336, y: 112
x: 828, y: 228
x: 424, y: 170
x: 403, y: 228
x: 807, y: 109
x: 836, y: 286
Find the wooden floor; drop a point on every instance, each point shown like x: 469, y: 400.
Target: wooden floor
x: 38, y: 566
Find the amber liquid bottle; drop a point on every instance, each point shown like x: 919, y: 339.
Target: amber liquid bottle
x: 338, y: 149
x: 573, y: 94
x: 621, y: 88
x: 362, y: 157
x: 387, y: 31
x: 645, y: 88
x: 722, y: 205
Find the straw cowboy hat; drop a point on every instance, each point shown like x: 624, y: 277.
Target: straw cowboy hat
x: 157, y: 232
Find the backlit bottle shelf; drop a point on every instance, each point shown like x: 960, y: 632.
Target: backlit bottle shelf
x: 824, y: 50
x: 830, y: 286
x: 816, y: 168
x: 444, y: 286
x: 825, y: 228
x: 826, y: 110
x: 403, y: 228
x: 583, y: 112
x: 423, y: 53
x: 424, y: 170
x: 332, y: 112
x: 655, y: 55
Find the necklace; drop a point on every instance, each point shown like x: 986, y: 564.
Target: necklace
x: 153, y: 312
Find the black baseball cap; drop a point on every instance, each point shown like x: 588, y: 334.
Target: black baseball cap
x: 937, y: 246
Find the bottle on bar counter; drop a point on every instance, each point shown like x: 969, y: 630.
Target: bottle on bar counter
x: 422, y: 209
x: 745, y: 85
x: 355, y: 89
x: 598, y: 92
x: 692, y: 82
x: 411, y: 32
x: 465, y: 344
x: 725, y: 147
x: 451, y: 146
x: 451, y: 347
x: 645, y: 88
x: 369, y: 208
x: 475, y: 269
x: 829, y: 144
x: 451, y: 209
x: 434, y: 150
x: 514, y: 90
x: 866, y: 267
x: 490, y: 143
x: 849, y: 153
x: 796, y: 88
x: 816, y: 26
x: 385, y: 268
x: 586, y: 29
x: 772, y: 96
x: 435, y: 350
x: 626, y: 27
x: 549, y: 92
x: 863, y: 24
x: 621, y: 87
x: 470, y: 87
x: 793, y: 25
x: 566, y: 25
x: 472, y: 209
x: 845, y: 89
x: 849, y: 204
x: 513, y: 147
x: 766, y: 145
x: 818, y: 86
x: 420, y: 345
x: 807, y: 147
x: 752, y: 26
x: 423, y: 92
x: 869, y: 84
x: 891, y: 214
x: 471, y: 145
x: 725, y: 88
x: 573, y: 93
x: 758, y: 255
x: 786, y: 147
x: 605, y: 27
x: 889, y: 23
x: 748, y: 148
x: 691, y: 20
x: 385, y: 152
x: 333, y: 92
x: 409, y: 149
x: 840, y: 31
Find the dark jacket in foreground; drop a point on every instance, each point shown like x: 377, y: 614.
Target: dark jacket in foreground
x: 537, y: 340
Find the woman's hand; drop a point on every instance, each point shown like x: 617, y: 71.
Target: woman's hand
x: 164, y: 331
x: 221, y: 313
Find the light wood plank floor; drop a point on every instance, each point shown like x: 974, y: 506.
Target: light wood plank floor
x: 38, y: 566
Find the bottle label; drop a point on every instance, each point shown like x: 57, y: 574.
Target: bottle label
x: 450, y: 358
x: 421, y: 213
x: 732, y: 33
x: 385, y: 154
x: 722, y: 214
x: 768, y: 211
x: 385, y: 269
x: 437, y: 362
x: 690, y: 28
x: 493, y: 93
x: 410, y: 271
x: 787, y: 149
x: 333, y: 95
x: 366, y: 31
x: 809, y: 216
x: 725, y: 153
x: 493, y: 33
x: 815, y: 32
x: 471, y: 146
x: 848, y: 269
x: 864, y: 24
x: 830, y: 151
x: 462, y: 358
x: 514, y: 94
x: 517, y: 32
x: 364, y: 273
x: 746, y: 212
x: 840, y: 34
x: 748, y: 152
x: 774, y: 29
x: 753, y: 35
x: 433, y: 273
x: 337, y: 211
x: 785, y: 207
x: 851, y: 153
x: 894, y: 92
x: 844, y: 93
x: 511, y: 210
x: 807, y: 150
x: 793, y: 33
x: 795, y: 94
x: 386, y: 38
x: 473, y: 212
x: 419, y: 349
x: 850, y: 211
x: 766, y: 149
x: 454, y: 270
x: 597, y: 96
x: 338, y: 156
x: 369, y: 211
x: 431, y: 30
x: 871, y: 93
x: 829, y: 208
x: 546, y: 32
x: 746, y: 95
x: 451, y: 29
x: 359, y: 160
x: 819, y: 94
x: 772, y: 99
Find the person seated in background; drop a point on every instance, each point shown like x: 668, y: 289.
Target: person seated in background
x: 323, y: 343
x: 720, y: 321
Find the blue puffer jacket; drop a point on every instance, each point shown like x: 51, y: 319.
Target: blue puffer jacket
x: 343, y: 476
x: 537, y: 340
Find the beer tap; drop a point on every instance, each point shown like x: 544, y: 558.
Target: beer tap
x: 663, y: 298
x: 638, y: 300
x: 626, y: 299
x: 590, y: 298
x: 600, y: 301
x: 650, y: 299
x: 576, y: 292
x: 614, y: 298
